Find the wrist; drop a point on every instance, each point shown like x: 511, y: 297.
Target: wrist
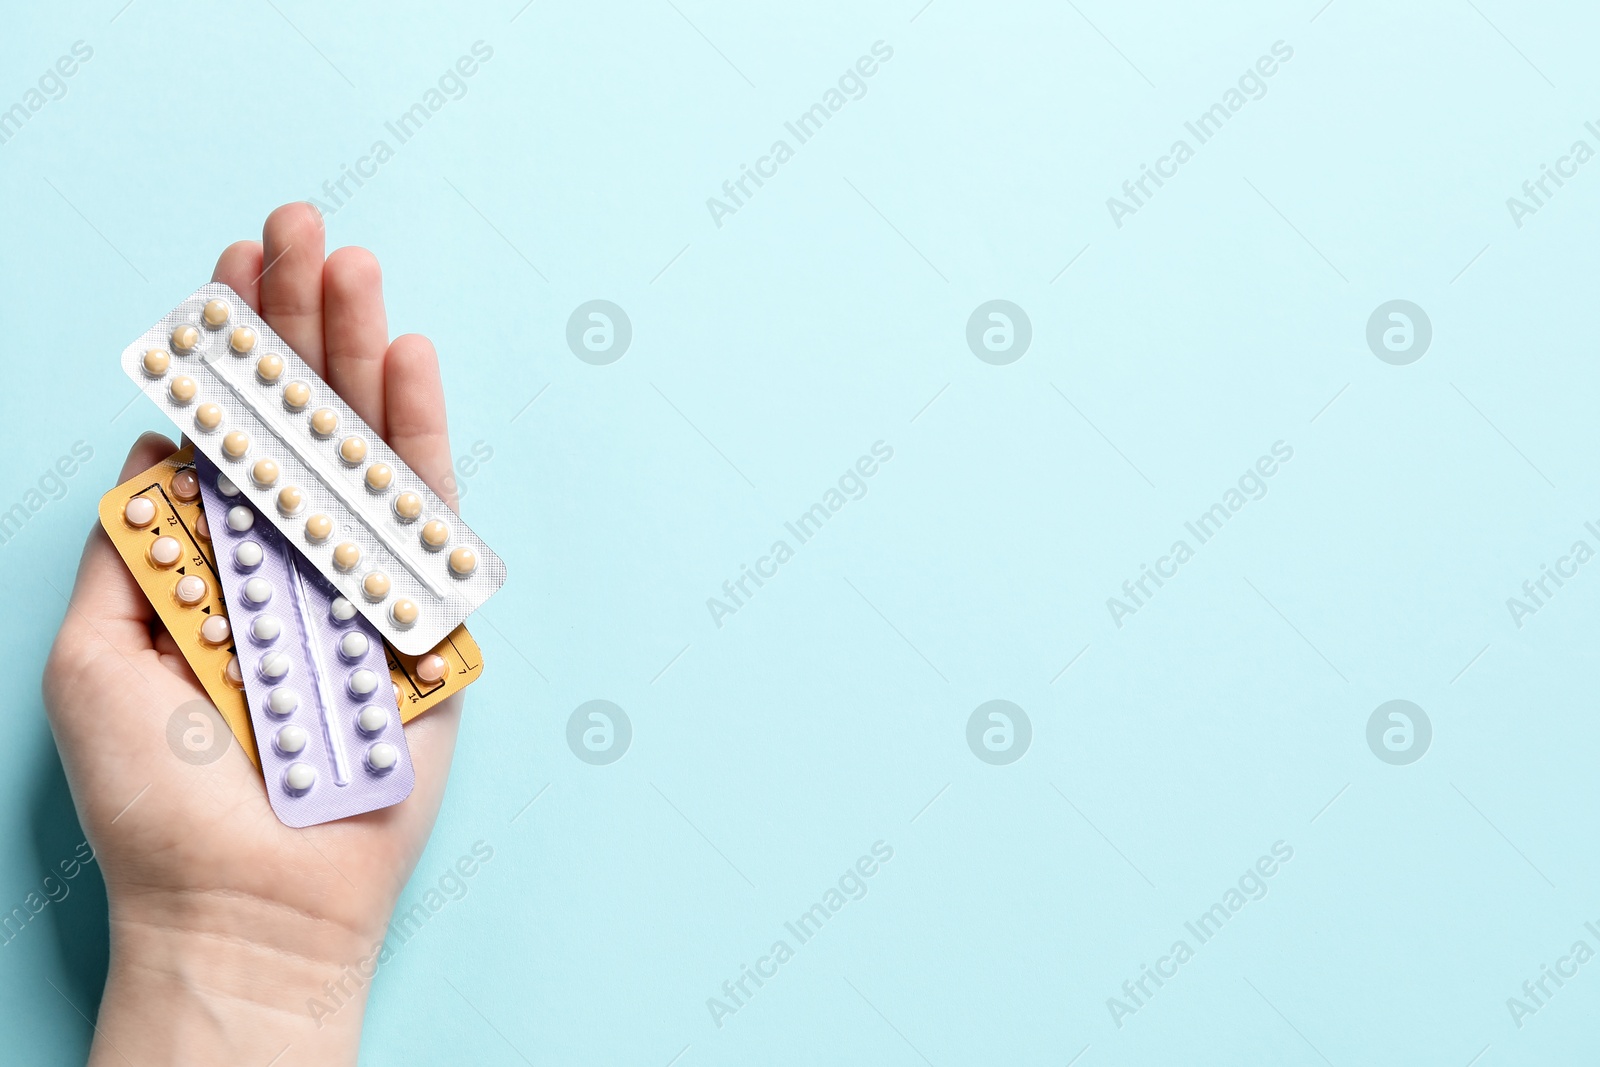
x: 221, y: 978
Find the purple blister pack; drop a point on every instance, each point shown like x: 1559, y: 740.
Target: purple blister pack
x: 316, y: 678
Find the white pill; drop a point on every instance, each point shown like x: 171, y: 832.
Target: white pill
x: 342, y: 609
x: 274, y: 665
x: 382, y: 756
x: 248, y: 555
x: 372, y: 719
x: 291, y: 740
x: 257, y: 591
x: 266, y: 628
x: 353, y: 645
x: 240, y: 518
x: 140, y: 512
x: 282, y: 702
x: 299, y: 778
x: 363, y: 682
x: 225, y: 486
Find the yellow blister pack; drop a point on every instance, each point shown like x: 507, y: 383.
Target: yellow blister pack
x: 158, y: 525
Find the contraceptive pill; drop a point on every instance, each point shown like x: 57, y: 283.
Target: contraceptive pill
x: 353, y: 487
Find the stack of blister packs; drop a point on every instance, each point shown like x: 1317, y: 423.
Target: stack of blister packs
x: 296, y: 560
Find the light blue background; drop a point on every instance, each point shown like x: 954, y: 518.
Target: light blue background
x: 823, y: 317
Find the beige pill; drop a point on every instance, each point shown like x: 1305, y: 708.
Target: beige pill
x: 165, y: 551
x: 139, y: 512
x: 318, y: 528
x: 183, y: 389
x: 242, y: 340
x: 208, y: 416
x: 156, y: 362
x: 353, y: 450
x: 264, y: 473
x: 202, y: 528
x: 379, y: 477
x: 404, y: 612
x: 269, y: 368
x: 296, y: 395
x: 231, y: 673
x: 236, y: 444
x: 431, y: 668
x: 290, y: 500
x: 324, y: 421
x: 185, y: 485
x: 215, y: 630
x: 190, y: 590
x: 463, y: 561
x: 407, y: 506
x: 216, y: 313
x: 434, y: 534
x: 185, y: 339
x: 347, y: 555
x: 375, y: 585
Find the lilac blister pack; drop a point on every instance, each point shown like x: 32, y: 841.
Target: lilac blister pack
x: 315, y: 674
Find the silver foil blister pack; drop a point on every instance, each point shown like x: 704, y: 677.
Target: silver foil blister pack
x: 315, y: 673
x: 309, y: 464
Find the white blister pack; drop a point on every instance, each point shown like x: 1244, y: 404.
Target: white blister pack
x: 339, y: 494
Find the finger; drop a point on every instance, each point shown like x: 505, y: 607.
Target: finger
x: 106, y: 596
x: 239, y: 268
x: 356, y: 332
x: 291, y: 282
x: 415, y: 399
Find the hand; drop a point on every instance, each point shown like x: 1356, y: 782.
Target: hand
x: 225, y: 923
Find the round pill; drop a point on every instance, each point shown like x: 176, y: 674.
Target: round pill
x: 404, y: 612
x: 431, y: 668
x: 266, y: 629
x: 236, y: 444
x: 182, y: 389
x: 341, y: 609
x: 274, y: 665
x: 190, y: 590
x: 363, y: 682
x: 396, y: 687
x: 165, y: 551
x: 371, y: 720
x: 264, y: 473
x: 346, y: 556
x: 407, y: 506
x: 379, y: 477
x: 208, y: 416
x: 290, y: 740
x: 269, y: 368
x: 353, y: 450
x: 324, y: 421
x: 375, y: 585
x: 216, y: 313
x: 299, y: 778
x: 240, y: 518
x: 463, y: 561
x: 381, y: 757
x: 230, y: 673
x: 156, y: 362
x: 354, y: 645
x: 296, y: 395
x: 185, y: 339
x: 139, y: 512
x: 242, y: 340
x: 185, y: 485
x: 318, y: 529
x: 225, y: 486
x: 248, y: 555
x: 257, y: 591
x: 282, y: 702
x: 290, y: 500
x: 434, y: 534
x: 202, y: 528
x: 215, y: 630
